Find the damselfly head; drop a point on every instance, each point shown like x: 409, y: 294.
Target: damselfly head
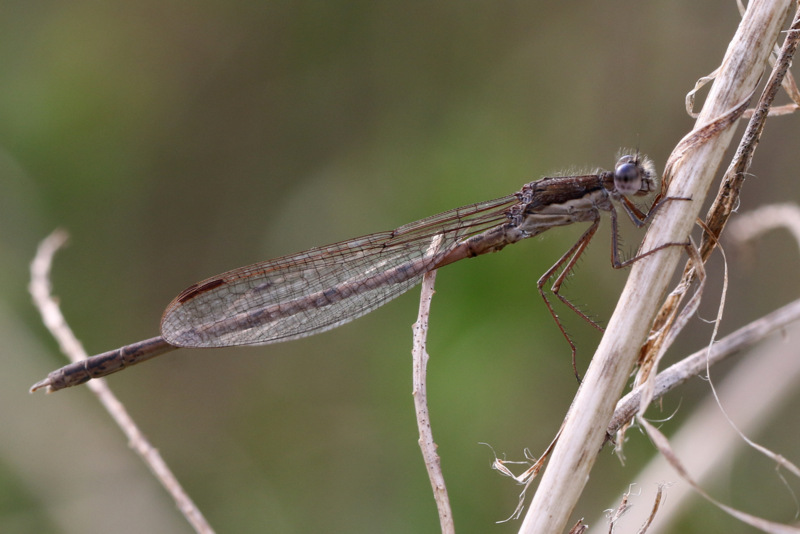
x: 634, y: 175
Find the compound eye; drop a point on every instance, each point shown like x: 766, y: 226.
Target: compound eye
x: 627, y: 177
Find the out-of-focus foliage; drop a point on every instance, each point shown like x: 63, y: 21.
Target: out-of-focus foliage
x: 178, y: 140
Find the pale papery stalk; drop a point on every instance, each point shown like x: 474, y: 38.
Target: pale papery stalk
x: 721, y: 425
x: 691, y: 176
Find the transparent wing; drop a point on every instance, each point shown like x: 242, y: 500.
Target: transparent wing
x: 309, y: 292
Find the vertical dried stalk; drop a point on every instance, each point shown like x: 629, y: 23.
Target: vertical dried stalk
x: 692, y: 174
x: 426, y: 443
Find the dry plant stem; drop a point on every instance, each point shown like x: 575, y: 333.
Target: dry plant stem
x: 711, y: 439
x: 665, y: 330
x: 695, y: 364
x: 40, y: 289
x: 585, y: 427
x: 426, y: 443
x: 731, y: 185
x: 754, y: 392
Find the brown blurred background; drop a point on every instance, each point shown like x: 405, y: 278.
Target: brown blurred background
x: 178, y: 140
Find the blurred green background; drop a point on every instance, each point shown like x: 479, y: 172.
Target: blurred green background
x: 178, y: 140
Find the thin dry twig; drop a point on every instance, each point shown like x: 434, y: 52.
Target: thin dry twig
x: 40, y: 289
x: 695, y: 364
x: 426, y: 443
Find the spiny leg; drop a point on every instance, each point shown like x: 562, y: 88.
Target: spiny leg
x: 570, y: 258
x: 568, y: 261
x: 640, y: 219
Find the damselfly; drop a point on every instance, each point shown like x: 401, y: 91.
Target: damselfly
x: 313, y: 291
